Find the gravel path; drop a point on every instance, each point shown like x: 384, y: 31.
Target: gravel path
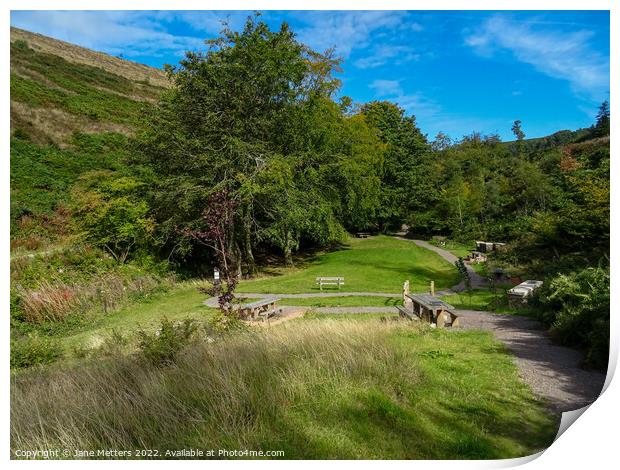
x: 551, y: 371
x: 477, y: 280
x: 212, y: 301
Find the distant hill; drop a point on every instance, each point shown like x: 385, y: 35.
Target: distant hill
x: 559, y: 138
x: 58, y: 89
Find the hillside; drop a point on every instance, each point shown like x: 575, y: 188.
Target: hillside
x: 72, y: 110
x: 58, y: 89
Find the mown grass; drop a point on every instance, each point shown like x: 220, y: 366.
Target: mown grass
x: 349, y: 301
x: 319, y: 389
x: 459, y: 249
x: 376, y: 264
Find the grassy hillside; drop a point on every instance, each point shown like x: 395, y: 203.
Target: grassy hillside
x: 71, y: 110
x: 58, y: 89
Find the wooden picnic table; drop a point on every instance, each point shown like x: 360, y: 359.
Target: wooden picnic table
x: 261, y: 308
x: 432, y: 310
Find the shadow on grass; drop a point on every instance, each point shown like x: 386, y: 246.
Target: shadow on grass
x: 376, y: 425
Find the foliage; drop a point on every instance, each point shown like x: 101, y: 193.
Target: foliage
x: 576, y: 306
x: 218, y: 236
x: 464, y: 273
x: 84, y: 90
x: 517, y: 131
x: 33, y: 350
x: 161, y: 347
x: 404, y: 177
x: 254, y: 116
x: 41, y: 177
x: 602, y: 126
x: 111, y: 212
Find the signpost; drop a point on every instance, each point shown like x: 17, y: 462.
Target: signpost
x: 216, y: 279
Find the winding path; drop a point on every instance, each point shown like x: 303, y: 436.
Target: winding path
x: 551, y: 371
x: 477, y: 281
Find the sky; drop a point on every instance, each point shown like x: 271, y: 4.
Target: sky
x: 455, y: 71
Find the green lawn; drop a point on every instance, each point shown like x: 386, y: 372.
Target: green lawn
x: 461, y: 250
x: 376, y: 264
x: 314, y: 388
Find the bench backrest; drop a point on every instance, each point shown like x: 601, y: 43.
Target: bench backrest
x: 329, y: 279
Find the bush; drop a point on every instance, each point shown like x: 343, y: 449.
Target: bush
x: 161, y: 347
x: 576, y: 306
x: 33, y: 350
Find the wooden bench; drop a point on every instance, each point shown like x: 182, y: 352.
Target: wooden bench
x: 330, y: 281
x: 406, y: 313
x: 261, y: 308
x: 362, y: 234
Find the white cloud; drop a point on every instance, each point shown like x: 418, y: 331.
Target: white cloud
x: 562, y: 55
x: 385, y: 88
x: 382, y: 54
x: 131, y: 33
x: 413, y: 103
x: 344, y: 30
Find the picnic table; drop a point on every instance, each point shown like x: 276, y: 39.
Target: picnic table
x: 261, y: 308
x: 327, y: 281
x: 430, y: 309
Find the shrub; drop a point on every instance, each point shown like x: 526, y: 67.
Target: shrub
x: 161, y: 347
x: 33, y: 350
x: 576, y: 306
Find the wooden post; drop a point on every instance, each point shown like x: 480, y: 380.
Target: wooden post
x: 433, y: 288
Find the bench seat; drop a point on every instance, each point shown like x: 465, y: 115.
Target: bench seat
x: 406, y: 313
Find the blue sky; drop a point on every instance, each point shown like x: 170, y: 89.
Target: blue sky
x: 456, y: 71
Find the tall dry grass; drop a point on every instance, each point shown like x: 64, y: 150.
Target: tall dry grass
x: 236, y: 392
x: 55, y: 300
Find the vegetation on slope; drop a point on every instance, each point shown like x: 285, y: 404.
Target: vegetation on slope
x: 92, y: 95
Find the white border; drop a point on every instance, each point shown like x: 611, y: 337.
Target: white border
x: 590, y: 443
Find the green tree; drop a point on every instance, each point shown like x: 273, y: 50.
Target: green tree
x: 405, y: 177
x: 256, y: 97
x: 602, y: 119
x: 517, y: 131
x: 111, y: 213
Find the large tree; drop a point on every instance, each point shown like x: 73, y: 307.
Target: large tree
x: 254, y: 117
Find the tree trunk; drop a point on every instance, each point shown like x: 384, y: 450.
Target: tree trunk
x: 288, y: 252
x: 238, y: 259
x: 247, y: 245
